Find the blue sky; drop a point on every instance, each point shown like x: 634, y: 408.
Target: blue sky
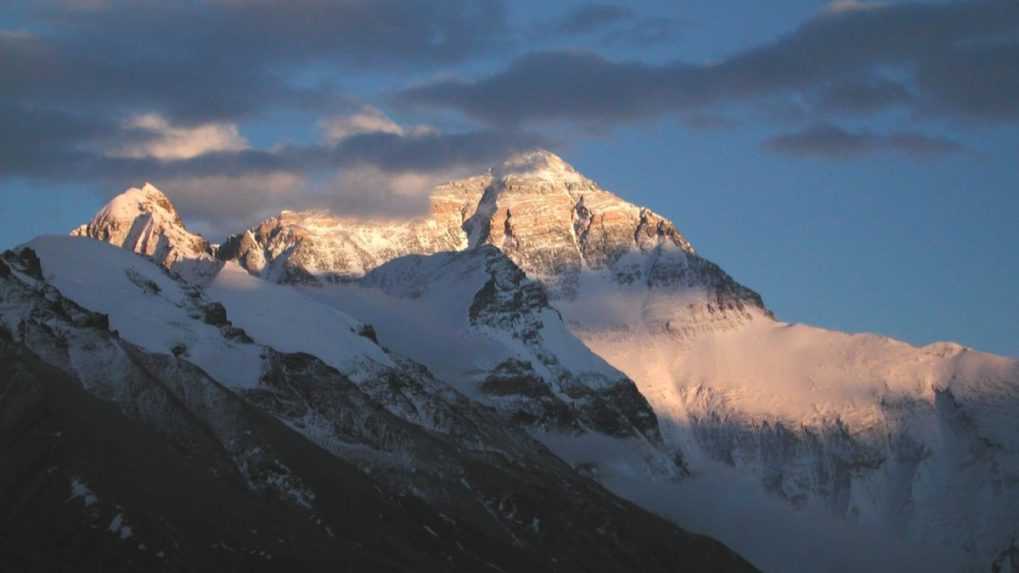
x: 853, y: 162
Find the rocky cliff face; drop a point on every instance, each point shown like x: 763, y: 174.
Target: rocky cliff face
x: 556, y: 223
x: 584, y: 243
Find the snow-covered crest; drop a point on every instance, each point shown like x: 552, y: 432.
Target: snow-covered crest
x: 540, y: 165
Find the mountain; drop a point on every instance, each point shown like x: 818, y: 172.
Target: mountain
x: 393, y: 471
x: 89, y: 419
x: 527, y: 365
x: 565, y: 314
x: 146, y: 222
x: 917, y: 443
x: 863, y: 433
x: 558, y: 226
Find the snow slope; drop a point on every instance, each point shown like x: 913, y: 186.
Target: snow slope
x: 478, y: 323
x: 918, y: 442
x: 159, y: 312
x: 146, y: 305
x: 290, y: 322
x: 462, y: 325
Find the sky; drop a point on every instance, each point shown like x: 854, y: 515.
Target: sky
x: 855, y: 162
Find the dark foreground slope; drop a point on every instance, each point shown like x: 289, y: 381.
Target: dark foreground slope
x: 83, y: 487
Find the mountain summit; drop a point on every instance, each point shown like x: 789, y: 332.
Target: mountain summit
x: 144, y: 220
x: 558, y: 226
x: 541, y: 165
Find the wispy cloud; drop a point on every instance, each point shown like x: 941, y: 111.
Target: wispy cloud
x: 160, y: 140
x: 836, y: 142
x: 609, y: 24
x: 366, y: 120
x: 593, y: 17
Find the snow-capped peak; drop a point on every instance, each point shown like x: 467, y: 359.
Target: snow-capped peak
x: 135, y: 202
x: 538, y: 164
x: 145, y: 221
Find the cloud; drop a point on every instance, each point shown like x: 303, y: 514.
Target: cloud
x: 645, y: 31
x: 226, y: 60
x: 379, y: 169
x: 111, y: 93
x: 165, y: 141
x: 828, y: 140
x: 367, y: 120
x: 216, y: 205
x: 592, y: 17
x: 844, y: 6
x: 376, y: 174
x: 114, y: 92
x: 574, y: 86
x: 368, y: 191
x: 611, y: 24
x: 861, y: 95
x: 956, y: 60
x: 430, y: 151
x: 708, y: 121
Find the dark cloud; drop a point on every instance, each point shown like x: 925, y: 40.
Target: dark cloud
x: 861, y: 95
x: 115, y: 92
x: 645, y: 31
x: 69, y: 160
x: 576, y: 86
x: 978, y: 80
x: 708, y: 121
x: 33, y: 140
x: 366, y: 33
x: 609, y: 25
x: 593, y: 17
x: 228, y: 59
x: 378, y: 174
x: 430, y: 151
x: 79, y: 77
x: 956, y: 59
x: 832, y: 141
